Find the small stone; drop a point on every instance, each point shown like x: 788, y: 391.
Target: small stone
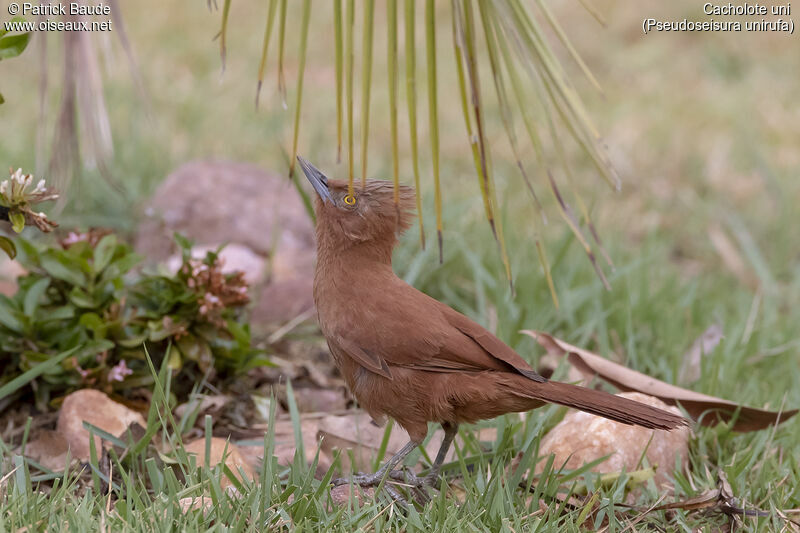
x: 49, y: 449
x: 582, y: 438
x: 221, y: 449
x: 94, y: 407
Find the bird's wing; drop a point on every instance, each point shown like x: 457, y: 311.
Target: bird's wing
x: 490, y: 343
x: 408, y: 328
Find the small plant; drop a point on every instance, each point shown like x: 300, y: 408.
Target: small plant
x: 82, y: 295
x: 17, y: 199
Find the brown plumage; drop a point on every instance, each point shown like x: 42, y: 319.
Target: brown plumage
x: 408, y: 356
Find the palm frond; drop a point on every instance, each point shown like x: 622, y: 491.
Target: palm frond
x: 508, y: 41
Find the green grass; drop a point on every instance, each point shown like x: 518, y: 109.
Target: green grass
x: 703, y: 131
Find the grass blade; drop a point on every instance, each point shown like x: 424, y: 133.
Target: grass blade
x: 301, y: 69
x: 267, y: 34
x: 411, y: 101
x: 433, y: 119
x: 26, y: 377
x: 366, y: 82
x: 337, y: 32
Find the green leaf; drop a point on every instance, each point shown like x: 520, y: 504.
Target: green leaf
x: 103, y: 252
x: 13, y: 45
x: 3, y: 29
x: 119, y: 267
x: 30, y: 256
x: 6, y: 244
x: 17, y: 222
x: 95, y: 324
x: 62, y: 267
x: 26, y: 377
x: 80, y: 298
x: 10, y: 316
x: 33, y: 296
x: 196, y: 349
x: 59, y: 313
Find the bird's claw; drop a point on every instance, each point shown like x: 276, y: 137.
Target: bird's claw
x: 417, y: 485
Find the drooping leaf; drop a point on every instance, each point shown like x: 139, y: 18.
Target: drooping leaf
x: 707, y: 410
x: 433, y: 118
x: 301, y: 69
x: 281, y: 49
x: 350, y: 56
x: 411, y: 102
x: 339, y: 57
x: 391, y: 61
x: 265, y: 46
x: 223, y: 33
x: 366, y: 82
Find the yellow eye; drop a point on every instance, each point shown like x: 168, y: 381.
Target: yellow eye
x: 350, y: 199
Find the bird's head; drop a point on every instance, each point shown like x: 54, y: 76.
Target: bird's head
x: 368, y: 216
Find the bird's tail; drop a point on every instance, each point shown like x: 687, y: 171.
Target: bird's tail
x: 603, y: 404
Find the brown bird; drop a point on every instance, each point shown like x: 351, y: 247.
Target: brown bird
x: 408, y: 356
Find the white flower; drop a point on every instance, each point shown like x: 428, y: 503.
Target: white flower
x: 18, y: 176
x: 4, y: 187
x: 39, y: 187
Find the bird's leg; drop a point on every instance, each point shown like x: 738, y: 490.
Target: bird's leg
x: 450, y: 431
x: 430, y: 478
x: 370, y: 480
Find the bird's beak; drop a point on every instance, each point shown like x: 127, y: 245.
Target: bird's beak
x: 318, y: 180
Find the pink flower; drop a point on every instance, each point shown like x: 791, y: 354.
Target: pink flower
x: 119, y: 371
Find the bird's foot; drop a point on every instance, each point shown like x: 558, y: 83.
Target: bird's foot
x: 395, y: 479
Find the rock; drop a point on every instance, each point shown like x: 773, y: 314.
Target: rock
x: 96, y: 408
x: 221, y: 449
x: 49, y: 449
x: 582, y: 438
x: 315, y: 400
x: 219, y: 202
x: 10, y: 270
x: 205, y: 502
